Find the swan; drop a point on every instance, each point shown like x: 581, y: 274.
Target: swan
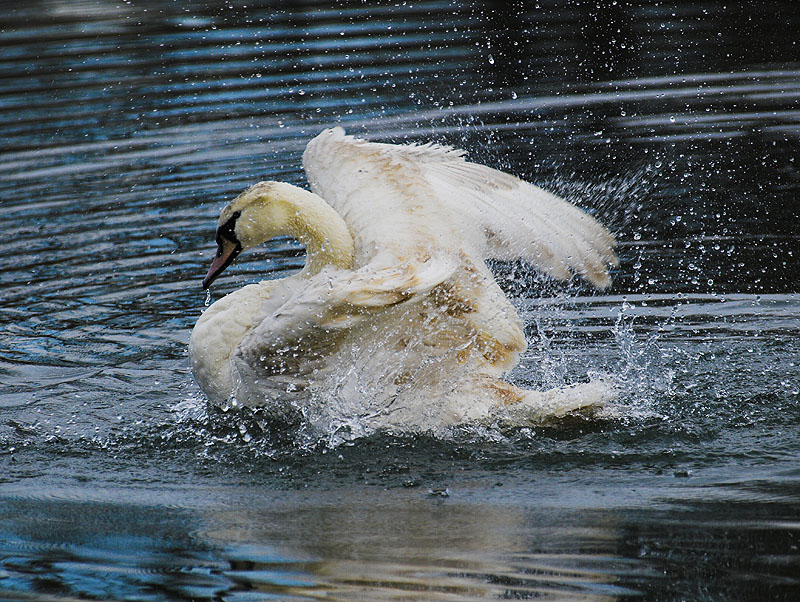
x: 395, y: 321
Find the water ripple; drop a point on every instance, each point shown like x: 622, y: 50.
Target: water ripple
x: 127, y: 125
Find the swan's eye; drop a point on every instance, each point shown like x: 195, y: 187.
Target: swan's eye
x: 228, y: 229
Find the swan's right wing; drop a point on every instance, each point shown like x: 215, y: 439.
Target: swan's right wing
x: 305, y: 329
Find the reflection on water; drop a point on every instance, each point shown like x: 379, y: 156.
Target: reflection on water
x: 395, y: 545
x: 125, y: 126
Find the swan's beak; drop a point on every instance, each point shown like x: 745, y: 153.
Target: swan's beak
x: 226, y: 253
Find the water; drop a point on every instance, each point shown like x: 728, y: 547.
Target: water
x: 126, y: 125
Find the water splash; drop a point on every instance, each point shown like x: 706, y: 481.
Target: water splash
x: 640, y: 374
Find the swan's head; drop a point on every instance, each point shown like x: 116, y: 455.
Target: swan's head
x: 258, y: 214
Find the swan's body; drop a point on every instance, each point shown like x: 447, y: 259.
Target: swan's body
x: 395, y: 321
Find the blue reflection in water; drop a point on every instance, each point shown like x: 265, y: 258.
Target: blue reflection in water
x: 123, y: 132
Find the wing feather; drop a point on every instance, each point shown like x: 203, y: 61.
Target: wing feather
x: 427, y: 197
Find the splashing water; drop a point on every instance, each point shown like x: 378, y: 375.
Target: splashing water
x: 641, y: 373
x: 126, y: 125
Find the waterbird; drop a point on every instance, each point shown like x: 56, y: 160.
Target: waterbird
x: 395, y: 322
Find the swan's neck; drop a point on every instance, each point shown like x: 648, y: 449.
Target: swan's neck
x: 320, y: 230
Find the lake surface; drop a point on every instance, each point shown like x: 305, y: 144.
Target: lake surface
x: 127, y: 125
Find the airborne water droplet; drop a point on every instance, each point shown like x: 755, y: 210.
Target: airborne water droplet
x: 208, y: 297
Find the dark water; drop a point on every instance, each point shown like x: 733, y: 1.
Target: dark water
x: 125, y: 127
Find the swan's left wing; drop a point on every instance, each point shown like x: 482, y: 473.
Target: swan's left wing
x: 418, y: 195
x: 522, y: 221
x: 393, y: 213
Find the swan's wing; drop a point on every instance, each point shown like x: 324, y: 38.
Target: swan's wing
x: 393, y: 213
x: 307, y: 326
x: 520, y: 220
x: 413, y: 190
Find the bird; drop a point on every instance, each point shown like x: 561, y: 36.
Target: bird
x: 395, y: 322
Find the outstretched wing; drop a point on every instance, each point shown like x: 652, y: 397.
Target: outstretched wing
x: 428, y: 199
x: 523, y: 221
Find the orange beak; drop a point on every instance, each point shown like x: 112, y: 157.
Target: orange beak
x: 226, y: 253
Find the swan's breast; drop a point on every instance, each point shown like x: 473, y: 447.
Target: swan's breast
x: 218, y: 332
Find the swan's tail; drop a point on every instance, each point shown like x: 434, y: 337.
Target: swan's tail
x: 522, y: 407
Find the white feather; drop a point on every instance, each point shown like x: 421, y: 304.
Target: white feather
x: 494, y: 214
x: 396, y: 322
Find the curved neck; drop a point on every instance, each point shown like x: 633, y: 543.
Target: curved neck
x: 321, y: 231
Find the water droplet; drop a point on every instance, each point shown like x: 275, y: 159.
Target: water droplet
x: 208, y: 298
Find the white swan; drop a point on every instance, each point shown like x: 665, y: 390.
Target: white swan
x: 395, y: 322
